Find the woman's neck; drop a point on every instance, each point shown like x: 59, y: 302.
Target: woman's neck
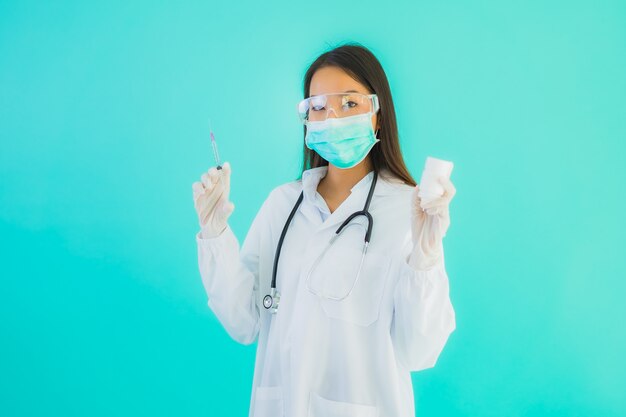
x: 339, y: 181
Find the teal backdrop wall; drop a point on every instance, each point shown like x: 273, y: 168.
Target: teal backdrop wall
x: 103, y: 129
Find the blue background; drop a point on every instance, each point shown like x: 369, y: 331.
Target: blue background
x: 103, y: 129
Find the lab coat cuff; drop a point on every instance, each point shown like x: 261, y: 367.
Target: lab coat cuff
x: 226, y: 234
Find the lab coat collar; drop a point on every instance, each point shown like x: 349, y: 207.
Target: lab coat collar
x: 355, y: 201
x: 384, y: 184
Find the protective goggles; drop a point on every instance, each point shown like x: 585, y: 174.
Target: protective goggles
x: 317, y: 108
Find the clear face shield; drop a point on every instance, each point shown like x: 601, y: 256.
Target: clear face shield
x: 317, y: 108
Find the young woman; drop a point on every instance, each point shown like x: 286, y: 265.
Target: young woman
x: 341, y: 275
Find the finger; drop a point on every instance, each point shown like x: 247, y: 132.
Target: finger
x: 209, y: 203
x: 226, y: 170
x: 217, y: 210
x: 214, y: 175
x: 205, y: 180
x: 433, y: 211
x: 210, y: 180
x: 440, y: 201
x: 417, y: 214
x: 225, y: 178
x: 449, y: 188
x: 226, y: 207
x: 198, y: 189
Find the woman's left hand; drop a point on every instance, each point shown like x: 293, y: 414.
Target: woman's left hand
x: 430, y: 221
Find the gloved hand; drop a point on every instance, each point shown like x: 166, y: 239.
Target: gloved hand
x: 210, y: 196
x: 430, y: 222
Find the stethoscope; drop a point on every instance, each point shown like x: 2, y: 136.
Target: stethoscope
x: 271, y: 300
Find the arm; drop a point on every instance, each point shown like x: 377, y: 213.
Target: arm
x: 423, y: 315
x: 230, y: 277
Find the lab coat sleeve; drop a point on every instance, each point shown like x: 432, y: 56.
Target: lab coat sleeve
x: 423, y: 315
x: 230, y: 278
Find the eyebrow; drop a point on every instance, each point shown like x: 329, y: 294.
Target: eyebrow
x: 347, y: 91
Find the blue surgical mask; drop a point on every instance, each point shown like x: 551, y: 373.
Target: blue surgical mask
x: 342, y: 141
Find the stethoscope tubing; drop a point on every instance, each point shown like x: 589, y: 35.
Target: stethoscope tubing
x: 271, y: 300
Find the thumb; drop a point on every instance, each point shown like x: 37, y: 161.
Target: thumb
x: 226, y: 170
x: 228, y: 208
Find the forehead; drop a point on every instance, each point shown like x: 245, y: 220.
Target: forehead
x: 334, y: 80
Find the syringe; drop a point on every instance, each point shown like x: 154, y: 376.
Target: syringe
x: 216, y: 155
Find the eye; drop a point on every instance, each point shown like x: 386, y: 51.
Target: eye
x: 317, y: 103
x: 347, y: 102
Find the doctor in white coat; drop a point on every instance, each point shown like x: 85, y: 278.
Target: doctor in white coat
x: 339, y: 325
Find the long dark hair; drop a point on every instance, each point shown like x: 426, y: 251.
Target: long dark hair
x: 361, y: 64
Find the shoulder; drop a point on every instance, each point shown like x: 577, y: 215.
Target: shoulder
x: 287, y: 191
x: 393, y: 217
x: 394, y: 186
x: 283, y: 195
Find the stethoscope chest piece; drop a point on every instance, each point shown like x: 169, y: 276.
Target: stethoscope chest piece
x: 271, y: 300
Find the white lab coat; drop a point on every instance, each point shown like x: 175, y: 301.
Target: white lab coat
x: 318, y: 357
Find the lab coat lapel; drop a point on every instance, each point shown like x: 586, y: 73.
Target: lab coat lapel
x: 310, y: 180
x: 354, y: 202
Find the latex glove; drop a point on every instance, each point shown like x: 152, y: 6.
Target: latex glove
x: 429, y: 224
x: 210, y: 196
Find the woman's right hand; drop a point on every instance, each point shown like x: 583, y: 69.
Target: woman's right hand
x: 210, y: 196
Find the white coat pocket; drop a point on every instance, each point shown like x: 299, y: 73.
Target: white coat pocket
x: 268, y: 402
x: 322, y: 407
x: 346, y: 289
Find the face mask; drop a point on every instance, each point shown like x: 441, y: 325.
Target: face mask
x: 344, y: 141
